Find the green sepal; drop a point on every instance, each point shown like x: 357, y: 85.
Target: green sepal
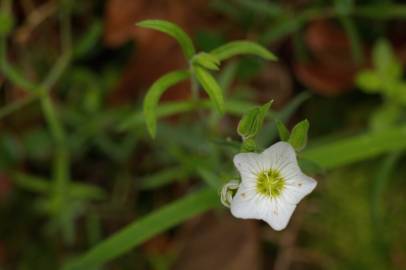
x: 251, y: 122
x: 298, y: 136
x: 248, y: 145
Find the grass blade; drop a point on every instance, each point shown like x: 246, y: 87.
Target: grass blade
x: 242, y: 47
x: 358, y: 148
x: 155, y: 92
x: 174, y: 31
x: 211, y: 87
x: 146, y: 227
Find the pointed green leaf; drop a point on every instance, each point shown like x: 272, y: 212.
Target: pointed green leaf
x: 145, y: 228
x: 282, y: 130
x: 251, y: 122
x: 163, y: 177
x: 357, y: 148
x: 385, y: 62
x: 154, y: 93
x: 174, y: 31
x: 298, y: 136
x: 242, y: 47
x: 369, y: 81
x: 352, y: 32
x: 206, y: 60
x: 211, y: 87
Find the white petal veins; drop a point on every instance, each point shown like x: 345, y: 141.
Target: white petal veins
x: 279, y: 154
x: 249, y: 165
x: 278, y: 214
x: 296, y: 190
x: 246, y: 204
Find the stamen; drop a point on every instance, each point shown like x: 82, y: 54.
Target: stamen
x: 270, y: 183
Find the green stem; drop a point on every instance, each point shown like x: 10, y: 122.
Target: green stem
x: 10, y: 72
x: 61, y: 160
x: 354, y: 37
x: 194, y: 85
x: 378, y: 188
x: 64, y: 60
x: 5, y: 111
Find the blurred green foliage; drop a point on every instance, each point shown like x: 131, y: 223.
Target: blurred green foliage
x: 80, y: 168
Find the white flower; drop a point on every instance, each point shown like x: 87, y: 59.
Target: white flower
x: 272, y: 184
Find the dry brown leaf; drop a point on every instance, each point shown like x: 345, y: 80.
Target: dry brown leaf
x: 325, y: 80
x: 329, y: 44
x: 332, y: 68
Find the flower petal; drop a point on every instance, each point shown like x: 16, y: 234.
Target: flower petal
x: 249, y: 165
x: 248, y: 204
x: 280, y: 155
x: 296, y: 189
x: 279, y: 213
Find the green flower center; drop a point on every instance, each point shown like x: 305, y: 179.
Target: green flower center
x: 270, y: 183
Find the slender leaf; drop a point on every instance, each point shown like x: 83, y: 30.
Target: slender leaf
x: 242, y: 47
x: 227, y: 76
x: 174, y: 31
x: 234, y: 107
x: 358, y: 148
x: 211, y: 87
x: 209, y: 177
x: 206, y: 60
x: 76, y: 190
x: 355, y: 39
x: 385, y: 61
x: 380, y: 183
x: 146, y: 227
x: 89, y: 40
x: 155, y: 92
x: 282, y: 28
x: 282, y: 130
x: 382, y: 11
x: 163, y: 177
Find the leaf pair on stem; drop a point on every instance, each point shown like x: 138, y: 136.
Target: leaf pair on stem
x: 199, y: 71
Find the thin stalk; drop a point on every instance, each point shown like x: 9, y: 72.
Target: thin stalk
x: 64, y: 60
x: 61, y: 161
x: 9, y: 109
x: 10, y: 72
x: 194, y: 86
